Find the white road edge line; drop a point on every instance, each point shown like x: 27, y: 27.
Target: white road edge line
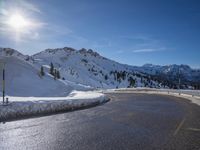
x: 193, y: 129
x: 179, y: 127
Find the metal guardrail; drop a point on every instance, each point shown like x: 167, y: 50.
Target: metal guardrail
x: 188, y: 92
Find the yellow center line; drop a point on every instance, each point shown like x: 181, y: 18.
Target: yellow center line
x: 179, y: 127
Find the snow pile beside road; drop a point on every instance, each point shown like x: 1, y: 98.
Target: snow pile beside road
x: 29, y: 106
x: 74, y: 95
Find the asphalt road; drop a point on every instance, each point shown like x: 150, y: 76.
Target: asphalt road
x: 127, y: 122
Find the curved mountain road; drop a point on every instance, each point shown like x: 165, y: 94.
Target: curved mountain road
x: 127, y: 122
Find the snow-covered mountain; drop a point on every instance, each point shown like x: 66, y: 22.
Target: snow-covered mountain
x: 23, y: 79
x: 174, y: 69
x: 89, y: 68
x: 81, y: 70
x: 173, y: 73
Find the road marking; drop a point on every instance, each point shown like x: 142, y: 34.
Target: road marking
x: 112, y: 98
x: 179, y: 127
x: 193, y: 129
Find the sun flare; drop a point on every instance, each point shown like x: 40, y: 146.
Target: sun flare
x: 18, y: 22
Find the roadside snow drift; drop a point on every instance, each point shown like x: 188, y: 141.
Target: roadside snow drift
x: 29, y: 106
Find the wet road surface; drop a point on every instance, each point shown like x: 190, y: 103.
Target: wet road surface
x: 127, y: 122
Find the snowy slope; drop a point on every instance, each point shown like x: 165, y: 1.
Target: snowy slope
x: 22, y: 77
x: 89, y: 68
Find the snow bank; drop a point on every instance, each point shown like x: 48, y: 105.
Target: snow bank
x: 74, y: 95
x: 29, y: 106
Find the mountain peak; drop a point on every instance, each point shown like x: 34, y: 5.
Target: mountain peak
x: 89, y: 51
x: 66, y: 49
x: 9, y: 52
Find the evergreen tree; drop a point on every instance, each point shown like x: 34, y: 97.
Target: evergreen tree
x: 124, y: 75
x: 118, y: 76
x: 106, y: 77
x: 55, y: 74
x: 131, y: 82
x: 58, y: 74
x: 52, y: 69
x: 42, y: 71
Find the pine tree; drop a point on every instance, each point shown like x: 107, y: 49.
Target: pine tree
x: 51, y: 69
x: 58, y: 74
x: 106, y: 77
x: 42, y: 71
x: 55, y: 74
x: 131, y: 82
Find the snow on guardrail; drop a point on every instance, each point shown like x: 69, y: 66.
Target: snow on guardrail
x: 188, y: 92
x: 192, y: 95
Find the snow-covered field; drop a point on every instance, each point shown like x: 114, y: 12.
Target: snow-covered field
x: 27, y: 106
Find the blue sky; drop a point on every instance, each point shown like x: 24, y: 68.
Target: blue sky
x: 133, y: 32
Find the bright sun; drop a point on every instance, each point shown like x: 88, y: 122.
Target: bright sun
x: 18, y: 22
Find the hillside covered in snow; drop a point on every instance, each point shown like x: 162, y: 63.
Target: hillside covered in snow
x: 91, y: 69
x: 56, y: 72
x: 23, y: 78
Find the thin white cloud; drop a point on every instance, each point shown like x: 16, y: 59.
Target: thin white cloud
x: 136, y: 37
x: 147, y: 50
x: 143, y: 43
x: 29, y: 6
x: 24, y: 5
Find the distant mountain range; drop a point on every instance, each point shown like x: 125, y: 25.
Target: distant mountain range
x: 178, y: 75
x: 86, y: 69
